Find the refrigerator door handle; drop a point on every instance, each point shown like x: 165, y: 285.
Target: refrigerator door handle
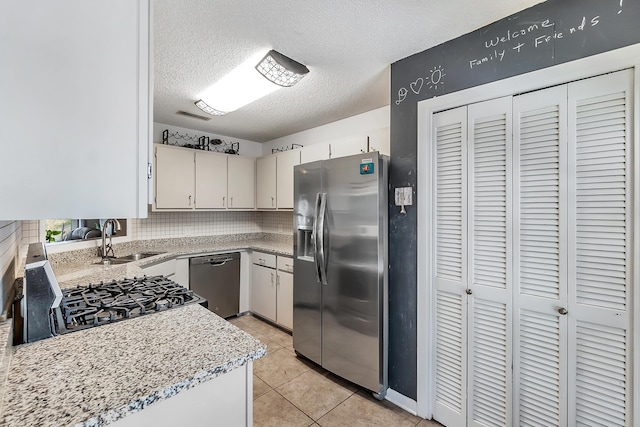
x: 321, y: 250
x: 314, y: 237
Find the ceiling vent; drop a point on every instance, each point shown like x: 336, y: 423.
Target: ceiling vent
x: 193, y: 116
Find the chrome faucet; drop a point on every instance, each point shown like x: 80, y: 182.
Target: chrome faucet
x: 107, y: 247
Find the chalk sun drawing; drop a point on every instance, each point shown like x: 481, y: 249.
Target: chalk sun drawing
x: 436, y: 76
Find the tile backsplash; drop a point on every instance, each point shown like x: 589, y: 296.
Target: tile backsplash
x: 160, y: 225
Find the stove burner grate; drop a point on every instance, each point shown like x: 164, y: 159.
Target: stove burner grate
x: 99, y: 304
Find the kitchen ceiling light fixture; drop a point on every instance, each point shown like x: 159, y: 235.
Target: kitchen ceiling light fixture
x: 207, y: 109
x: 243, y: 85
x: 281, y: 69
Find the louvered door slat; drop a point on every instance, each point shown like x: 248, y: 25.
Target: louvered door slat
x: 599, y: 252
x: 540, y: 257
x: 450, y: 247
x: 490, y: 330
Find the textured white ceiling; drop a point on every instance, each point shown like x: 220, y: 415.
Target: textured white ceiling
x: 348, y: 46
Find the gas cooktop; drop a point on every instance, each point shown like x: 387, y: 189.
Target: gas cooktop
x: 99, y: 304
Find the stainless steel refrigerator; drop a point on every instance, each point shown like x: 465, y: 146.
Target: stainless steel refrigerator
x: 340, y: 284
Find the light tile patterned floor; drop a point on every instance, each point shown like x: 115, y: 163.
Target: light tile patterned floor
x: 289, y: 391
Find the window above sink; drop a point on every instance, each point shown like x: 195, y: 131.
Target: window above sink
x: 76, y: 230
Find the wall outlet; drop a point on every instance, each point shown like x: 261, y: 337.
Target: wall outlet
x: 404, y: 196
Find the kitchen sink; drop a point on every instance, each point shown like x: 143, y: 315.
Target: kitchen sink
x: 128, y: 258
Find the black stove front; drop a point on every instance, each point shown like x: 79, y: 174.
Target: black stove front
x: 95, y: 305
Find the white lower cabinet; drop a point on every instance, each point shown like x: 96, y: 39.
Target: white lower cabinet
x: 272, y: 288
x: 226, y: 400
x: 164, y: 268
x: 284, y: 292
x: 182, y: 272
x: 263, y: 291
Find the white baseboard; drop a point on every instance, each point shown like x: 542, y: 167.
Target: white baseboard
x: 402, y: 401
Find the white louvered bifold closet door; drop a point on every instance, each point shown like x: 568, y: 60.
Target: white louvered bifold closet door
x: 600, y: 267
x: 490, y: 299
x: 539, y: 279
x: 450, y: 276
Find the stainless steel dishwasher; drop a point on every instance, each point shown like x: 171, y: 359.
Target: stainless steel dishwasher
x: 217, y: 278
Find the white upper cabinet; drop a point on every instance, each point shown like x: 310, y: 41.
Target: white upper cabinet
x: 266, y: 182
x: 75, y: 101
x: 175, y: 177
x: 192, y: 179
x: 314, y: 152
x: 241, y: 182
x: 373, y: 140
x: 284, y: 177
x: 211, y: 180
x: 380, y: 140
x: 348, y: 146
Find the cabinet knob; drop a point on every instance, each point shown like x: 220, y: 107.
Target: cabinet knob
x: 189, y: 199
x: 272, y: 278
x: 231, y: 201
x: 223, y: 197
x: 563, y: 311
x: 272, y: 201
x: 468, y: 291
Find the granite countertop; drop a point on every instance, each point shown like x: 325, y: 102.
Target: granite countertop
x: 95, y: 376
x: 98, y: 375
x: 78, y: 269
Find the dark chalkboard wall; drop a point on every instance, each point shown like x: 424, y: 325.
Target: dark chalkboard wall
x: 544, y: 35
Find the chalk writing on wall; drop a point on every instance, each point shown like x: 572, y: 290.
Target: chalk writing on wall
x: 432, y: 81
x: 542, y: 36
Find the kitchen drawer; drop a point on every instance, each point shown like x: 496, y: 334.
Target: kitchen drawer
x: 263, y: 259
x: 285, y: 264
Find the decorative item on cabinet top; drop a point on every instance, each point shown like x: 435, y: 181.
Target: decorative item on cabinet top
x: 201, y: 142
x: 286, y: 148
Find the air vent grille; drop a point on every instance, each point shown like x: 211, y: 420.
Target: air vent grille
x: 193, y: 116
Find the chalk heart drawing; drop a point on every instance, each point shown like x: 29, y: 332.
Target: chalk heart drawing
x: 416, y: 86
x: 402, y: 94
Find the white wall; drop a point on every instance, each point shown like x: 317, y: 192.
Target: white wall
x: 354, y: 125
x: 247, y: 148
x: 10, y: 239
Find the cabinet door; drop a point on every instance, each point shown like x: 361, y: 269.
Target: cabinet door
x: 211, y: 180
x: 182, y: 272
x: 285, y: 299
x: 348, y: 146
x: 241, y: 184
x: 175, y: 177
x: 314, y: 152
x: 380, y: 140
x: 263, y: 291
x: 166, y: 268
x: 286, y: 161
x: 266, y: 182
x: 80, y: 62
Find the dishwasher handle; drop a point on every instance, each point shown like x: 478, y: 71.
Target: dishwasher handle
x: 215, y: 261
